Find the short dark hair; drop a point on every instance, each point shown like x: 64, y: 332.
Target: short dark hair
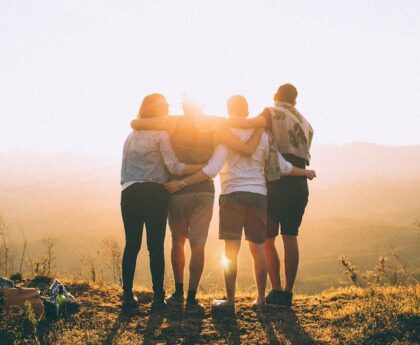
x: 286, y: 93
x: 238, y: 105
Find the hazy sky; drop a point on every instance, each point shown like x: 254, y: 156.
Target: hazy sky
x: 73, y: 73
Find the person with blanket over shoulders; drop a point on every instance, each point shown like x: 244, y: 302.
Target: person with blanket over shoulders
x: 287, y: 196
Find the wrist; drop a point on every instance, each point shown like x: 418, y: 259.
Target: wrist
x: 181, y: 184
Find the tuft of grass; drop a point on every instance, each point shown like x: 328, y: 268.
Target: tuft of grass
x: 19, y: 326
x: 375, y: 315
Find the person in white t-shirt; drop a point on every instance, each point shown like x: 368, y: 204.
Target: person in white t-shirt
x: 243, y: 202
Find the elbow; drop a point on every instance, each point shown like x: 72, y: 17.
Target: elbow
x: 208, y: 174
x: 289, y: 170
x: 134, y: 125
x: 180, y: 169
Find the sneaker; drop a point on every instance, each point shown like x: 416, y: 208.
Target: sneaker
x: 279, y: 298
x: 274, y: 297
x: 158, y: 305
x: 194, y: 306
x: 287, y: 298
x: 129, y: 301
x: 222, y: 306
x: 175, y: 300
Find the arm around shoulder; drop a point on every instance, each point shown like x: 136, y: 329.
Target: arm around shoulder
x: 287, y: 168
x: 153, y: 124
x: 248, y: 148
x: 309, y: 174
x: 212, y: 168
x: 245, y: 123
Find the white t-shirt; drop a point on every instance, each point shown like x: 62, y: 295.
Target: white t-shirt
x: 240, y: 173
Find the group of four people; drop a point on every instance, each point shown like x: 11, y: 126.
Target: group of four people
x: 261, y: 162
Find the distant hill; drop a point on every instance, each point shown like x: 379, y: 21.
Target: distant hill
x: 364, y: 203
x: 351, y: 162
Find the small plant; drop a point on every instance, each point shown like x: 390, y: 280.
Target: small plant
x: 383, y: 274
x: 44, y: 265
x: 49, y: 243
x: 351, y: 271
x: 90, y: 264
x: 5, y: 250
x: 113, y: 254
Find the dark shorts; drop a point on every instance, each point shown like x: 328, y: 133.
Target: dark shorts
x: 243, y: 210
x: 287, y: 200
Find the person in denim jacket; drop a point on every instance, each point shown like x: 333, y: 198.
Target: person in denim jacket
x: 148, y: 159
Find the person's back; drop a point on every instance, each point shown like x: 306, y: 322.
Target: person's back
x: 287, y: 197
x: 143, y: 158
x: 192, y: 146
x: 243, y: 207
x: 292, y: 134
x: 190, y: 208
x: 240, y: 173
x: 144, y: 200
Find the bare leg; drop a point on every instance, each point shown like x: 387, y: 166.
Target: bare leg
x: 231, y: 253
x: 291, y: 260
x: 178, y: 258
x: 273, y: 263
x: 196, y: 264
x: 260, y: 269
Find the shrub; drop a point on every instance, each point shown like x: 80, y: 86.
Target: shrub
x: 383, y: 274
x: 16, y: 277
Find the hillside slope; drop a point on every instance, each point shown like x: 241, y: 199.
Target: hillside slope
x: 344, y: 316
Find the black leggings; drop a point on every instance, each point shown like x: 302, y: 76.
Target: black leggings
x: 144, y: 203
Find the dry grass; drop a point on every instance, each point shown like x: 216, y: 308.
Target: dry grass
x: 376, y: 315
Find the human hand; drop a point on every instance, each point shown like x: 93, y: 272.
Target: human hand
x: 310, y: 174
x: 172, y: 186
x: 191, y: 109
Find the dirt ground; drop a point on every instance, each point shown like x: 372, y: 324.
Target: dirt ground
x: 345, y: 316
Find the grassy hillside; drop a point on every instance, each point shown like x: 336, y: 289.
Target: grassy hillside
x: 379, y: 315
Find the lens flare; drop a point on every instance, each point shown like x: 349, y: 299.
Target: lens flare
x: 224, y: 261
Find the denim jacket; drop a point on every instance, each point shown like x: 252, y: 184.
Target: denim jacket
x: 146, y: 156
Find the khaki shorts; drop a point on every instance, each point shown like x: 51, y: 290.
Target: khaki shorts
x: 190, y: 215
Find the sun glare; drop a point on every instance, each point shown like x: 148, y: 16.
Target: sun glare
x: 224, y: 261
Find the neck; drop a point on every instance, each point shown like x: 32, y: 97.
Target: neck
x: 279, y: 103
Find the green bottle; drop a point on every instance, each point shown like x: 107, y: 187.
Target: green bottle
x: 61, y: 301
